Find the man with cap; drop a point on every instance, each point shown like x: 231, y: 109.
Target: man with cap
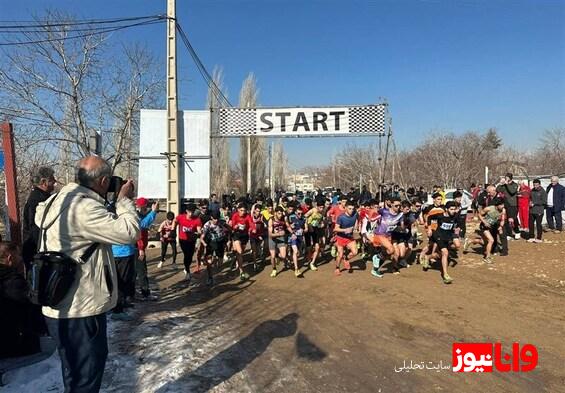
x: 538, y: 199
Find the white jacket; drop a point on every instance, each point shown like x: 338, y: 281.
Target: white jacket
x: 79, y: 218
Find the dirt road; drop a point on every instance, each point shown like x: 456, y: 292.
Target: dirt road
x: 352, y: 333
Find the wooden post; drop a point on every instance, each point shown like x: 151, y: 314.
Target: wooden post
x: 14, y: 227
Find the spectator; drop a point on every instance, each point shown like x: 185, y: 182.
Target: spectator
x: 555, y: 205
x: 509, y: 189
x: 524, y: 206
x: 78, y: 323
x: 538, y: 199
x: 43, y: 181
x: 17, y: 335
x: 146, y: 217
x: 365, y: 195
x: 214, y: 206
x: 422, y: 195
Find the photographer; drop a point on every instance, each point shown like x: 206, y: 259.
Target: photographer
x: 77, y: 219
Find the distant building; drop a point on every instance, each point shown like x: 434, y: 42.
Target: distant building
x: 301, y: 182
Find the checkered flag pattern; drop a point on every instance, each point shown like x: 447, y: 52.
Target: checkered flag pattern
x: 367, y: 120
x: 237, y: 122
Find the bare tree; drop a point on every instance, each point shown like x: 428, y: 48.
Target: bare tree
x: 254, y: 145
x: 69, y: 89
x: 220, y: 168
x: 280, y: 165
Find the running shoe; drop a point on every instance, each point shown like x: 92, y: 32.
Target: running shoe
x: 538, y: 241
x: 337, y: 272
x: 174, y: 265
x: 376, y: 273
x: 346, y: 264
x: 488, y: 260
x: 274, y: 273
x: 531, y: 240
x: 160, y: 265
x: 376, y: 262
x: 187, y: 275
x: 313, y: 266
x: 447, y: 279
x: 395, y: 270
x: 243, y: 276
x: 255, y: 267
x: 334, y: 252
x: 424, y: 262
x: 402, y: 263
x: 297, y: 273
x: 517, y: 236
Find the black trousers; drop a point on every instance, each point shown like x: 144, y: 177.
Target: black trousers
x: 83, y: 348
x: 188, y: 247
x: 462, y: 224
x: 512, y: 212
x: 164, y: 246
x: 502, y: 239
x: 537, y: 218
x: 553, y: 213
x: 125, y: 266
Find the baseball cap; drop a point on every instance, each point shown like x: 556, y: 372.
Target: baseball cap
x: 141, y: 202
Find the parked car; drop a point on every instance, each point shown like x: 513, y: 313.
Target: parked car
x: 449, y: 195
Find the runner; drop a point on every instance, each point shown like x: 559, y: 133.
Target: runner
x: 214, y: 238
x: 344, y: 227
x: 491, y: 218
x: 277, y: 237
x: 168, y: 235
x: 315, y: 232
x: 445, y: 236
x: 241, y: 224
x: 189, y: 230
x: 402, y: 236
x: 256, y: 237
x: 431, y: 213
x: 333, y: 213
x: 389, y: 220
x: 204, y: 216
x: 296, y: 227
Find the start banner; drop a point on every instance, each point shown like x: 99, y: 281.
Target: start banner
x: 302, y: 121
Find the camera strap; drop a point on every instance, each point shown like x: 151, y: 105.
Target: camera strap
x: 43, y: 230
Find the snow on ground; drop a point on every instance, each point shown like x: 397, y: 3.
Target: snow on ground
x: 166, y: 352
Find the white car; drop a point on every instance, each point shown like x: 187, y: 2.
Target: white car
x: 449, y: 195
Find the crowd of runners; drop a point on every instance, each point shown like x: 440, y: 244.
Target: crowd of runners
x: 295, y: 232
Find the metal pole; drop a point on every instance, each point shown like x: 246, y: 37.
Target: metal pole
x: 271, y: 191
x: 249, y: 164
x: 173, y: 137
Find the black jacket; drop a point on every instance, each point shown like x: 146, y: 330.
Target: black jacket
x: 558, y: 196
x: 16, y: 330
x: 30, y: 230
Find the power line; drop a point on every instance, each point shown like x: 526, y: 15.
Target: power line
x: 108, y: 29
x: 38, y: 24
x: 202, y: 69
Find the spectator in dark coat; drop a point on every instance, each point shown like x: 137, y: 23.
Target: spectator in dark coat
x: 43, y: 181
x: 538, y: 199
x: 555, y: 204
x: 17, y: 336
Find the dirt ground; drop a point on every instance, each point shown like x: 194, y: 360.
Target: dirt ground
x: 322, y: 333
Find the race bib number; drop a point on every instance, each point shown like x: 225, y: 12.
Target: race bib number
x: 298, y: 232
x: 446, y: 226
x: 241, y: 227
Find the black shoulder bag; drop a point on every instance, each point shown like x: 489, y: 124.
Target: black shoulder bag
x: 52, y: 273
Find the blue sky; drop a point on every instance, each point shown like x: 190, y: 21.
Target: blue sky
x: 442, y: 65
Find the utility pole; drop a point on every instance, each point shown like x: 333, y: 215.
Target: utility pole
x: 271, y: 191
x: 173, y: 155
